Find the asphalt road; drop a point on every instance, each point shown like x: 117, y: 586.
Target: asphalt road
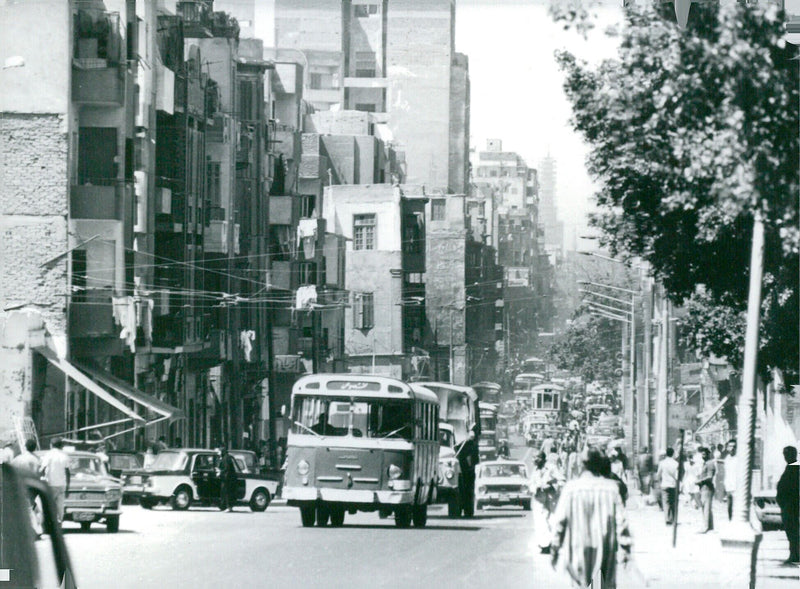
x: 209, y: 548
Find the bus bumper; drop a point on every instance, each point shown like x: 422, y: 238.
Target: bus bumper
x: 351, y: 496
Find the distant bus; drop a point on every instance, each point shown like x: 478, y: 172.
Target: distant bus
x: 365, y: 443
x: 546, y: 397
x: 534, y: 364
x: 488, y: 392
x: 523, y: 386
x: 488, y: 442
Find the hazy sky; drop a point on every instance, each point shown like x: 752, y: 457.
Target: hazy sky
x: 517, y: 93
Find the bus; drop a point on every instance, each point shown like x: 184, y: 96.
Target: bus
x: 523, y: 387
x: 546, y: 399
x: 361, y: 443
x: 488, y: 392
x: 534, y: 364
x: 488, y: 443
x: 458, y: 406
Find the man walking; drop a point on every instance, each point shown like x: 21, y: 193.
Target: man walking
x: 729, y: 475
x: 644, y: 468
x: 28, y: 461
x: 667, y: 476
x: 788, y: 497
x: 590, y: 526
x: 55, y: 471
x: 705, y: 482
x: 545, y: 480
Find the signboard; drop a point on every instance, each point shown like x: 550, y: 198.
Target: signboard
x: 288, y: 363
x: 682, y: 416
x: 353, y: 385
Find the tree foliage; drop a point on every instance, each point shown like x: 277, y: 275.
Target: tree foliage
x: 589, y: 348
x: 690, y: 133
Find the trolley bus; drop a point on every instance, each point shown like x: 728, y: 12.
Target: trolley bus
x: 361, y: 443
x: 523, y: 387
x: 488, y: 392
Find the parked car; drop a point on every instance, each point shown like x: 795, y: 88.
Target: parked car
x: 23, y: 563
x: 765, y: 506
x: 182, y: 477
x: 449, y: 475
x: 93, y: 496
x: 502, y: 482
x: 121, y: 462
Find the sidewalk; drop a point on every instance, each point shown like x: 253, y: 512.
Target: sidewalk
x: 695, y: 560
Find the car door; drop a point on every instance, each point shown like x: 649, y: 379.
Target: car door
x: 204, y: 476
x: 241, y: 482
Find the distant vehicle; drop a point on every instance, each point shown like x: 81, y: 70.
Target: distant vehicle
x: 361, y: 443
x: 534, y: 364
x: 246, y: 459
x: 488, y: 392
x: 458, y: 406
x: 449, y: 479
x: 26, y: 565
x: 523, y: 387
x: 186, y: 476
x: 502, y: 482
x: 93, y: 494
x: 121, y: 462
x: 487, y: 442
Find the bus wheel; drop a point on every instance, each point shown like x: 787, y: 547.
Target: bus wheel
x: 453, y: 507
x: 337, y: 516
x: 323, y: 513
x: 420, y: 515
x: 308, y: 513
x: 402, y: 516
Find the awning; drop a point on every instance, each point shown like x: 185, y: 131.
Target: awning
x: 713, y: 414
x: 132, y: 393
x: 90, y: 385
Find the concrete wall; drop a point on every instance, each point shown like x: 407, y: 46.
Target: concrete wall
x: 42, y: 84
x: 459, y: 124
x: 345, y: 122
x: 419, y: 49
x: 310, y: 24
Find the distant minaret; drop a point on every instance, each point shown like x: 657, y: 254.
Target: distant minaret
x: 548, y: 212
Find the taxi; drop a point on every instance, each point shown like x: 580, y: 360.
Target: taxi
x: 502, y: 482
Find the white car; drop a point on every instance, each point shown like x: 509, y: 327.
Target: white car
x: 502, y: 482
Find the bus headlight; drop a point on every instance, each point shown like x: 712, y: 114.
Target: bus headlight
x: 395, y: 472
x: 449, y: 473
x: 302, y: 468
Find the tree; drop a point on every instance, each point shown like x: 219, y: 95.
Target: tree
x: 690, y: 132
x: 589, y: 348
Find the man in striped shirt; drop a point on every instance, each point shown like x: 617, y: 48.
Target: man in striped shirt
x: 590, y: 526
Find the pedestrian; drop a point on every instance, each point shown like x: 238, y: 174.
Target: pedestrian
x: 788, y: 497
x: 611, y: 475
x: 55, y: 471
x: 544, y: 486
x: 667, y: 476
x: 644, y: 467
x: 590, y: 526
x: 161, y: 444
x: 227, y: 478
x: 28, y: 462
x: 705, y: 483
x: 7, y: 453
x: 729, y: 475
x: 692, y: 466
x: 149, y: 456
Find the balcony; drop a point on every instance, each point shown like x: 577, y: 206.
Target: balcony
x: 91, y: 314
x: 197, y: 18
x: 98, y: 86
x: 93, y: 201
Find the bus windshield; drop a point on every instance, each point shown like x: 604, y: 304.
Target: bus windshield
x: 345, y: 416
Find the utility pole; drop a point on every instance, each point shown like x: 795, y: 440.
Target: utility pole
x: 662, y: 405
x: 644, y: 406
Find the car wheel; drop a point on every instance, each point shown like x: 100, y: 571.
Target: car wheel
x: 402, y: 516
x: 323, y: 514
x: 337, y: 517
x: 86, y: 526
x: 260, y: 500
x: 308, y: 514
x: 112, y: 524
x: 526, y: 505
x: 181, y: 499
x: 420, y: 515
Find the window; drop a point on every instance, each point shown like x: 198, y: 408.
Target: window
x: 315, y: 81
x: 364, y: 232
x: 307, y: 203
x: 214, y: 188
x: 366, y: 64
x: 365, y: 107
x: 438, y: 208
x: 308, y: 273
x: 365, y: 10
x: 364, y: 310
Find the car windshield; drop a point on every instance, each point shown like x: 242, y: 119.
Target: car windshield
x: 446, y: 438
x: 246, y: 460
x: 341, y: 416
x: 86, y: 465
x: 169, y: 461
x: 503, y: 470
x: 124, y: 461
